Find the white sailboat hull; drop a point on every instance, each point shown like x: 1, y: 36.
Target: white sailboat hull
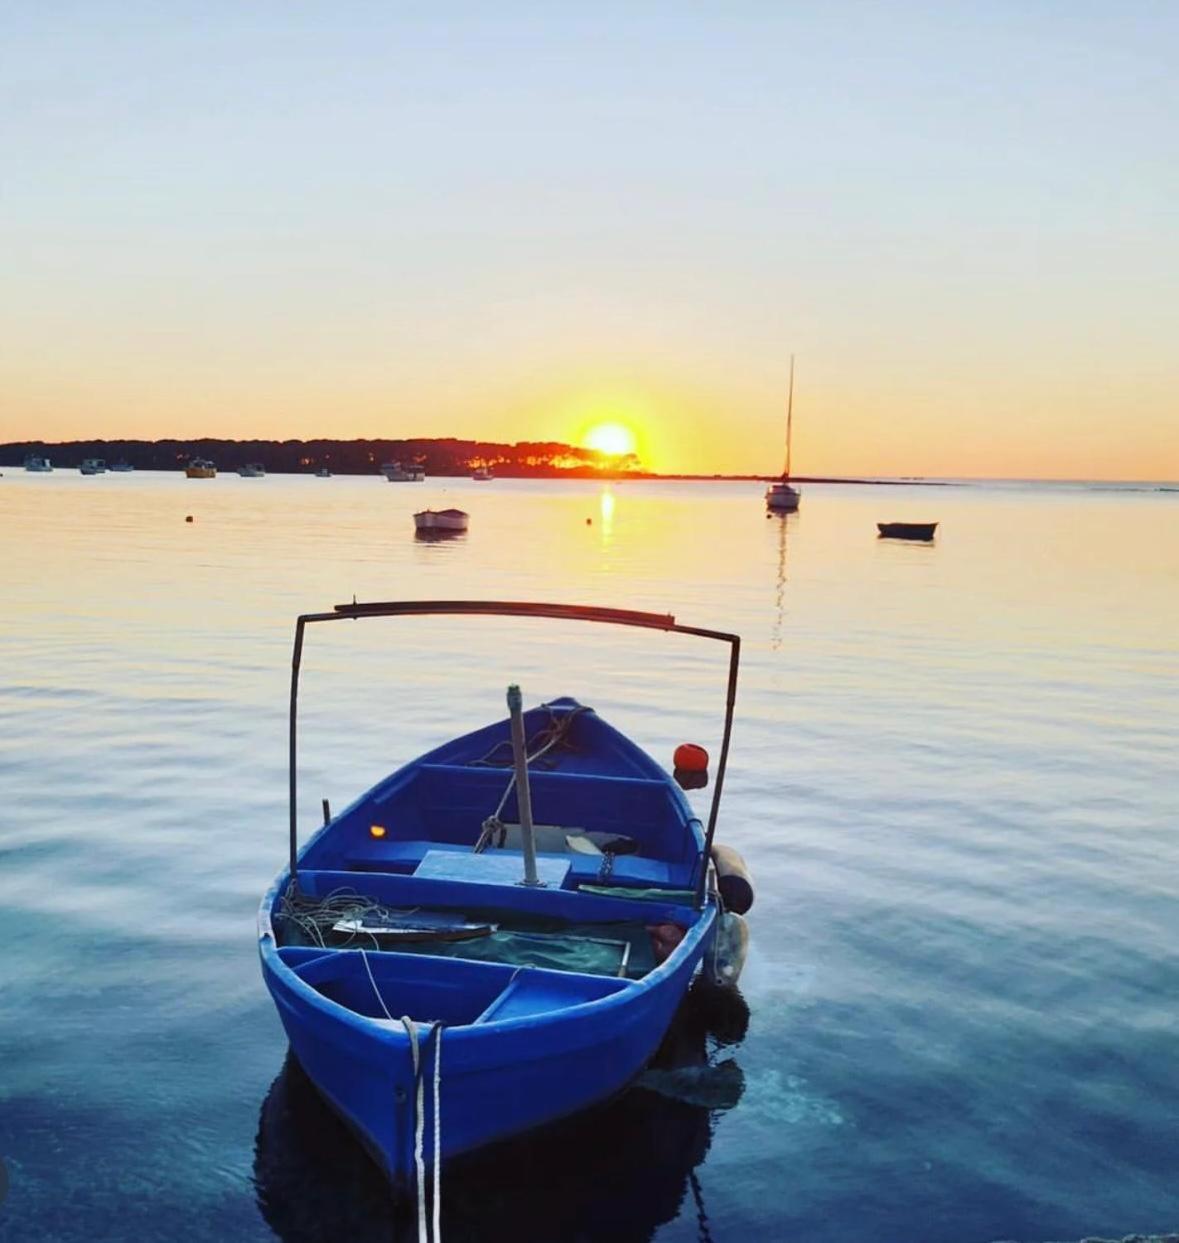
x: 782, y: 498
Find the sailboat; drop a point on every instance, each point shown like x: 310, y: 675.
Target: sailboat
x: 781, y: 496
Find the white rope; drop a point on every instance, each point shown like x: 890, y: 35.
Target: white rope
x: 438, y: 1133
x: 419, y: 1126
x: 364, y: 959
x: 411, y: 1031
x: 559, y: 727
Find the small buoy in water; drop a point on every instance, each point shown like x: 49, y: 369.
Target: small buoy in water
x: 691, y: 758
x: 733, y: 881
x: 188, y: 518
x: 726, y: 956
x: 688, y: 779
x: 589, y: 522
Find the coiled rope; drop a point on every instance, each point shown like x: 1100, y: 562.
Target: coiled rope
x: 553, y: 734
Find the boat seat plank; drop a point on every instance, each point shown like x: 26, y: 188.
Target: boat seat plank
x: 490, y: 868
x: 395, y: 889
x: 389, y: 855
x: 536, y: 991
x: 491, y: 774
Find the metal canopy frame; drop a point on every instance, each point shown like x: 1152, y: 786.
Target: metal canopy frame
x: 515, y: 608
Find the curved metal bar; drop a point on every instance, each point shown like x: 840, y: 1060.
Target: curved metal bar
x: 519, y: 608
x: 509, y: 608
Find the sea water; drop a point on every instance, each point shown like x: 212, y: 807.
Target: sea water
x: 953, y: 776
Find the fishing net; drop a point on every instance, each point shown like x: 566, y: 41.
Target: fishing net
x: 344, y: 920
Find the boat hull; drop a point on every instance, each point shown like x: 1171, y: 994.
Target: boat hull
x: 445, y: 520
x: 497, y: 1079
x: 782, y: 498
x: 923, y: 531
x: 394, y: 472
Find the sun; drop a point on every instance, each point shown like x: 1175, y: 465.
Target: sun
x: 612, y: 439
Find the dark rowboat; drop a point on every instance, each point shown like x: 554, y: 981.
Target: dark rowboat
x: 906, y: 530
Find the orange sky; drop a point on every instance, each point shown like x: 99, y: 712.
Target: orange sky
x: 269, y: 221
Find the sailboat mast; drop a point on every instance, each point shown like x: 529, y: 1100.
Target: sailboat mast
x: 789, y: 418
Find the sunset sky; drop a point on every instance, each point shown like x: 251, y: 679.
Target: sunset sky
x: 517, y: 221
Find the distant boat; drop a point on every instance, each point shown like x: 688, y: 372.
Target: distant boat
x: 93, y: 466
x: 396, y: 473
x: 781, y: 497
x: 907, y: 530
x: 482, y: 474
x: 323, y: 473
x: 38, y: 465
x: 122, y: 467
x: 252, y: 470
x: 441, y: 520
x: 201, y: 468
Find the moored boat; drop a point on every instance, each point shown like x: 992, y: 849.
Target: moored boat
x: 252, y: 470
x: 453, y: 520
x: 906, y: 530
x: 323, y: 473
x: 122, y: 468
x: 781, y: 496
x: 38, y: 465
x: 395, y: 472
x: 93, y: 466
x: 499, y: 933
x: 201, y: 468
x: 483, y: 474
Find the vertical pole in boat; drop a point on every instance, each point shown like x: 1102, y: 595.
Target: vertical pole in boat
x: 296, y: 660
x: 523, y: 792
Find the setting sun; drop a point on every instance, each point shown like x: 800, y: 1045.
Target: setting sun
x: 613, y: 439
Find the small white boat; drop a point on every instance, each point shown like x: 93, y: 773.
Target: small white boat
x: 781, y: 497
x: 482, y: 474
x: 122, y: 468
x: 93, y: 466
x: 252, y: 470
x: 396, y: 473
x: 441, y: 520
x: 323, y: 473
x: 38, y: 465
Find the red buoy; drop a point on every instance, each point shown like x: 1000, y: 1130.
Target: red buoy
x: 691, y: 758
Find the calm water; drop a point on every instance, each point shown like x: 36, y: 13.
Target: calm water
x: 953, y: 775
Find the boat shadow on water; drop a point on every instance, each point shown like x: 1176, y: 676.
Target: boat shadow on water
x: 433, y: 535
x: 618, y: 1171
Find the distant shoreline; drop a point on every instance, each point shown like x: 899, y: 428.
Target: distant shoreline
x: 444, y: 458
x: 448, y: 458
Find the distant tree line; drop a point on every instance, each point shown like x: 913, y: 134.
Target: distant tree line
x: 448, y: 456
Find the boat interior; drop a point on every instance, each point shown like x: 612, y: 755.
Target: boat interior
x: 397, y: 911
x: 603, y: 809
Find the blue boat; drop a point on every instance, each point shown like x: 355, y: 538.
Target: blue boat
x: 499, y: 933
